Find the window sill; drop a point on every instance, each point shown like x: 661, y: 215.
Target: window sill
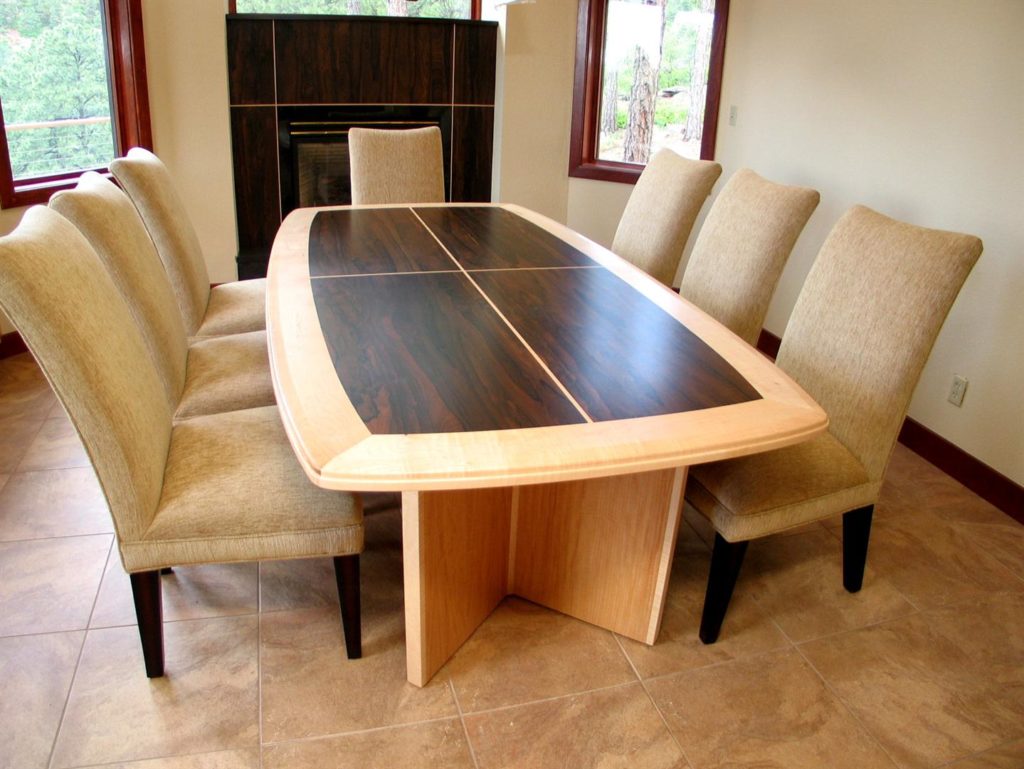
x: 39, y: 192
x: 607, y: 171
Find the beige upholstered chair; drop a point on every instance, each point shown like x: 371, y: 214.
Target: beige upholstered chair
x: 662, y: 208
x: 208, y: 376
x: 230, y: 308
x: 396, y: 166
x: 218, y: 488
x: 859, y: 335
x: 742, y: 247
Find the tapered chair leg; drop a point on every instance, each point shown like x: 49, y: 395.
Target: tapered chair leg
x: 149, y: 612
x: 856, y: 532
x: 726, y: 560
x: 346, y: 572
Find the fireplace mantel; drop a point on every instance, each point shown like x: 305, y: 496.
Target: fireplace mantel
x: 278, y: 65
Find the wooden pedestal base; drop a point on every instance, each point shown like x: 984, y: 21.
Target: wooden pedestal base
x: 599, y: 550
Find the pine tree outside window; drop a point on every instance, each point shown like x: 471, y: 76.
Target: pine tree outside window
x: 648, y: 76
x: 423, y: 9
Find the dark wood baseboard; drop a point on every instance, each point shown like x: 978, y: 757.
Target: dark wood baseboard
x: 987, y: 483
x: 11, y: 344
x: 768, y: 343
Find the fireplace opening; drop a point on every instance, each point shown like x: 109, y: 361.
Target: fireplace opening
x: 313, y: 143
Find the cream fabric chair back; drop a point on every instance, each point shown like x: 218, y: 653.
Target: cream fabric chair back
x: 59, y: 296
x: 110, y: 223
x: 662, y: 208
x: 149, y: 185
x: 742, y: 248
x: 866, y: 320
x: 396, y: 166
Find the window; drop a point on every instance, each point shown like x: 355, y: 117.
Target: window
x: 434, y: 9
x: 72, y: 92
x: 648, y: 75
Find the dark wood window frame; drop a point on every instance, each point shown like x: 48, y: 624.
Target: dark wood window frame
x: 126, y: 59
x: 586, y: 107
x: 474, y: 9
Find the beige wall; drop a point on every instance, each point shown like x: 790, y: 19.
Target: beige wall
x: 912, y: 107
x: 536, y: 112
x: 186, y: 60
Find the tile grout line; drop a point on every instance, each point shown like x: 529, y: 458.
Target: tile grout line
x: 978, y: 753
x: 81, y: 652
x: 259, y: 661
x: 462, y: 720
x: 148, y: 759
x: 845, y: 706
x: 543, y: 700
x: 650, y: 697
x: 353, y: 732
x: 28, y: 447
x: 718, y: 664
x: 56, y: 537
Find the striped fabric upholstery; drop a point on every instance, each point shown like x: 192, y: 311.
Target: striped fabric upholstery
x: 403, y: 166
x: 209, y: 376
x: 857, y: 341
x: 742, y: 247
x: 232, y: 308
x: 662, y: 208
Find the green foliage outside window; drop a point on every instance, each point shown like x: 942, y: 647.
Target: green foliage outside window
x: 679, y: 81
x: 53, y: 68
x: 444, y: 9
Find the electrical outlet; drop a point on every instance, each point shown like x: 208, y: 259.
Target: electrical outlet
x: 732, y: 114
x: 956, y: 392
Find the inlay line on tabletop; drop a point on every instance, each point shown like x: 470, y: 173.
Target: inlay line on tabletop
x: 543, y: 364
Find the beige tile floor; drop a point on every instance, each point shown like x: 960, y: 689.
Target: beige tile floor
x: 923, y: 668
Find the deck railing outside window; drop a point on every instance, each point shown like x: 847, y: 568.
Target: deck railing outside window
x: 47, y: 148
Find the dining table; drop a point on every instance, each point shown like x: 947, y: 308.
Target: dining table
x: 535, y: 398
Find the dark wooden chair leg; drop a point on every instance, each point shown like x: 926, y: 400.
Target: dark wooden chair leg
x: 856, y: 532
x: 346, y: 572
x: 726, y: 560
x: 167, y: 570
x: 149, y: 612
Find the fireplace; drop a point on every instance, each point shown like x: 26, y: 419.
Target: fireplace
x: 298, y: 83
x: 313, y: 146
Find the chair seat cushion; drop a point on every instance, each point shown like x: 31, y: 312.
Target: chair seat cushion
x: 235, y: 308
x: 226, y: 373
x: 233, y: 491
x: 777, y: 490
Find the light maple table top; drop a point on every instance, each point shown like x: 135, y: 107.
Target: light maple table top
x: 472, y: 346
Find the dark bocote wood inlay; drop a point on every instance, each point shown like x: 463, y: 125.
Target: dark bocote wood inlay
x: 475, y: 64
x: 363, y: 61
x: 472, y: 144
x: 257, y: 175
x: 483, y: 238
x: 617, y: 353
x: 425, y: 353
x: 372, y: 241
x: 251, y: 61
x: 418, y: 349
